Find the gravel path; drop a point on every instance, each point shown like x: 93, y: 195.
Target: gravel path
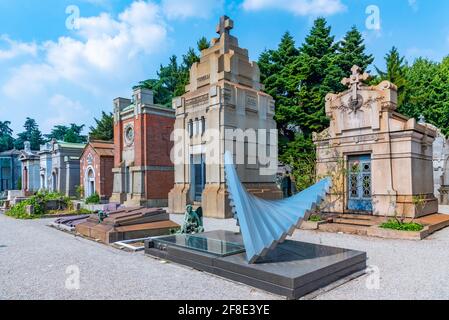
x: 34, y: 260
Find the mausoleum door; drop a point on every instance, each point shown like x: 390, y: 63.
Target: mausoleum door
x: 359, y: 184
x: 198, y: 176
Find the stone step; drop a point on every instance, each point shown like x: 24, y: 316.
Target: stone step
x: 344, y: 228
x: 356, y: 222
x: 354, y: 216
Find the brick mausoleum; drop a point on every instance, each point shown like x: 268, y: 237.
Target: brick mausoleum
x: 143, y: 171
x: 96, y: 164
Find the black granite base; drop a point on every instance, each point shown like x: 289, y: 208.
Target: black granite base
x: 293, y: 269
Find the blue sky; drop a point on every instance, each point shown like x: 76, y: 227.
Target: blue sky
x: 58, y: 74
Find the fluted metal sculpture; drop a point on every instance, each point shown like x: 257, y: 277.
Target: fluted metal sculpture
x: 266, y: 223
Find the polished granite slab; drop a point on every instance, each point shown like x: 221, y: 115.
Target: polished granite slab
x: 293, y: 269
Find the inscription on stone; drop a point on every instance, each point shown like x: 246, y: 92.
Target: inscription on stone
x: 203, y: 80
x: 251, y: 102
x: 197, y: 101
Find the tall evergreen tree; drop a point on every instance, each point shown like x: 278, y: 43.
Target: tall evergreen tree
x: 31, y: 134
x: 272, y: 64
x: 352, y: 52
x: 104, y: 127
x: 6, y: 139
x: 313, y: 74
x: 203, y: 44
x: 396, y: 67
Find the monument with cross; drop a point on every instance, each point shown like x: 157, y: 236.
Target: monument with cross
x: 381, y: 160
x: 224, y: 92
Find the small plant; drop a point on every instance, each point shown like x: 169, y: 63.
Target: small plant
x: 79, y: 192
x: 93, y: 199
x: 395, y: 224
x: 315, y: 218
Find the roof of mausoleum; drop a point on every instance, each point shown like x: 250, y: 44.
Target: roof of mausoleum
x: 8, y: 153
x: 102, y: 148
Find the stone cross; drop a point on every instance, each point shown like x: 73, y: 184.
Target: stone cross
x: 356, y: 78
x: 225, y: 25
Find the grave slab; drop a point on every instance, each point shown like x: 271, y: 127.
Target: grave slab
x: 293, y: 269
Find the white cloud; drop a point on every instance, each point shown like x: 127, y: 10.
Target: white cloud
x: 103, y: 46
x: 16, y: 48
x: 181, y: 9
x: 64, y: 111
x: 87, y: 69
x: 297, y: 7
x: 413, y: 4
x: 29, y: 79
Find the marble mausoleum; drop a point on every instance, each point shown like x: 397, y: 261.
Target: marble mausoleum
x: 381, y: 160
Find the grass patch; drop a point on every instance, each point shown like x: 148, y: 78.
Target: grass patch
x: 402, y: 226
x: 315, y: 218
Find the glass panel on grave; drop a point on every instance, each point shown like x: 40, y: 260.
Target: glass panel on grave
x: 201, y: 243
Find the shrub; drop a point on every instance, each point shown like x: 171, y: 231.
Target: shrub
x: 315, y: 218
x: 38, y: 201
x: 402, y: 226
x: 93, y: 199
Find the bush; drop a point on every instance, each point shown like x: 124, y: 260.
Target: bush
x: 93, y: 199
x: 38, y: 201
x: 402, y: 226
x: 315, y: 218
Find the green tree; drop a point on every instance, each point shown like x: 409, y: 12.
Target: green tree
x: 6, y: 139
x: 203, y: 44
x: 396, y: 67
x: 104, y: 127
x: 172, y: 79
x: 70, y: 133
x: 315, y: 73
x: 352, y: 52
x: 272, y: 64
x: 427, y: 92
x: 31, y: 134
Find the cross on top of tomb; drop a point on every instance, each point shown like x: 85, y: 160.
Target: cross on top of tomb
x: 356, y: 78
x: 225, y: 26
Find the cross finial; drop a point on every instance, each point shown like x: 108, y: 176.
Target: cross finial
x: 225, y: 25
x: 356, y: 78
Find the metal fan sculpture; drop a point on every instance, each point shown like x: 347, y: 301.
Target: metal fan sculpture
x: 266, y: 223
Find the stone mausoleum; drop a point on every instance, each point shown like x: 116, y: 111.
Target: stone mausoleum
x: 143, y: 171
x: 60, y: 167
x: 224, y: 93
x: 30, y: 169
x: 96, y: 164
x: 381, y: 160
x: 441, y: 167
x: 10, y: 170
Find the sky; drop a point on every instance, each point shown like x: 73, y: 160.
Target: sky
x: 64, y: 61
